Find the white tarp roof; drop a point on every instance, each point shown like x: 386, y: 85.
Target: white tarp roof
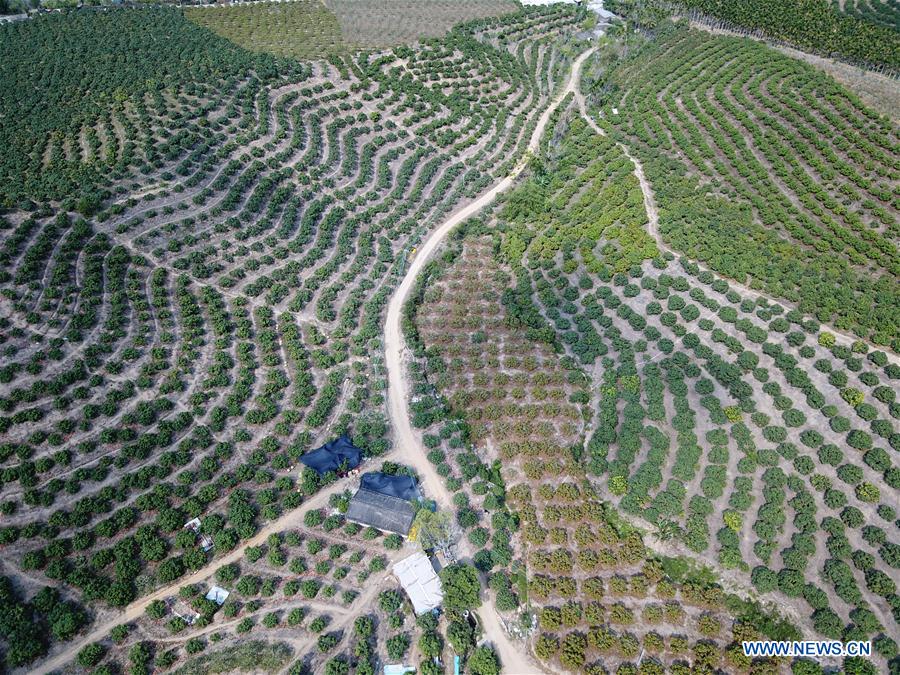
x: 217, y: 595
x: 398, y: 669
x: 422, y: 585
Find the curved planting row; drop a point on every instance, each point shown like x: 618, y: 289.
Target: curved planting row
x: 736, y: 428
x: 505, y: 415
x: 770, y: 173
x: 172, y: 357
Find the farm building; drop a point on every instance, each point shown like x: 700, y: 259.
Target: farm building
x: 383, y: 512
x: 383, y: 501
x: 336, y: 455
x: 421, y: 583
x: 402, y: 487
x: 398, y: 669
x: 217, y: 595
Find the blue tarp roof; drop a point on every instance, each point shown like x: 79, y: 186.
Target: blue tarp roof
x: 332, y: 455
x: 402, y: 487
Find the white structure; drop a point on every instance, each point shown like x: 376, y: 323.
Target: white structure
x: 217, y: 595
x: 398, y: 669
x: 595, y: 6
x: 194, y: 525
x: 421, y: 583
x: 185, y: 613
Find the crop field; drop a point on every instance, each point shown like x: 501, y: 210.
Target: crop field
x: 320, y: 591
x: 114, y: 95
x: 745, y: 435
x: 770, y: 173
x: 624, y: 307
x: 172, y: 356
x: 598, y: 595
x: 303, y: 29
x: 314, y: 28
x: 811, y: 26
x: 373, y: 23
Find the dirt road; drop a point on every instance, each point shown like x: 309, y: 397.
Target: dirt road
x: 842, y: 337
x: 409, y: 448
x: 136, y: 609
x: 408, y: 443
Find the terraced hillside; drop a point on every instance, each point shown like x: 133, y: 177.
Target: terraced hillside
x: 600, y: 598
x: 770, y: 173
x: 652, y: 376
x: 172, y: 357
x: 113, y: 97
x: 742, y: 432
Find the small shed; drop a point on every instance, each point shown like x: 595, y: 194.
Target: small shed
x: 398, y: 669
x: 184, y: 612
x: 205, y: 541
x: 421, y: 583
x: 333, y: 456
x: 217, y: 595
x: 383, y: 512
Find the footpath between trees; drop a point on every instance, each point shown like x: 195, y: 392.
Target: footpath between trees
x: 408, y: 445
x: 514, y: 657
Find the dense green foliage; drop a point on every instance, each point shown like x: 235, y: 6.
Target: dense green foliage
x: 770, y: 173
x: 882, y: 12
x: 82, y: 65
x: 462, y: 590
x: 810, y: 24
x: 26, y: 627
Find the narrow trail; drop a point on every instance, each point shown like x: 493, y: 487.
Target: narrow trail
x: 732, y: 581
x: 135, y: 610
x: 652, y: 210
x: 514, y: 656
x: 344, y: 617
x: 409, y: 444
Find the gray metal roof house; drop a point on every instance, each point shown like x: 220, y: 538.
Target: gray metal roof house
x: 381, y: 511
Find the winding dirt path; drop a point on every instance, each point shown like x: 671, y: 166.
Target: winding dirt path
x: 514, y: 656
x: 408, y: 443
x: 652, y: 210
x: 135, y: 610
